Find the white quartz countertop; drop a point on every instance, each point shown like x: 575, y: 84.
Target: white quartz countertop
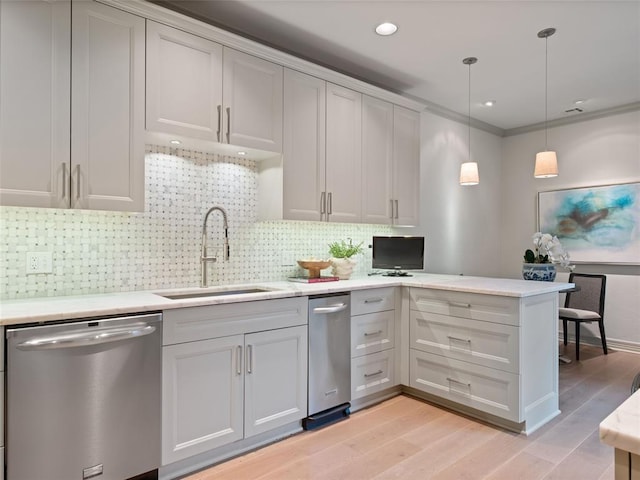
x: 621, y: 429
x: 47, y: 309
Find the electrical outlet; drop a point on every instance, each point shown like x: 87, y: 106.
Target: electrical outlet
x: 39, y: 262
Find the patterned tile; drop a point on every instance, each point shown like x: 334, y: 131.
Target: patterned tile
x: 101, y: 252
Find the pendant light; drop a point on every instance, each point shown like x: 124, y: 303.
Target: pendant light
x: 547, y: 161
x: 469, y: 170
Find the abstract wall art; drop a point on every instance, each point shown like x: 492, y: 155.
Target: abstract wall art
x: 599, y: 224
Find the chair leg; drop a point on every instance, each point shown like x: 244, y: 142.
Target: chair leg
x: 602, y: 336
x: 564, y: 330
x: 577, y: 341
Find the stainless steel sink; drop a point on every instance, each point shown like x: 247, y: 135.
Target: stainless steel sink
x: 219, y: 293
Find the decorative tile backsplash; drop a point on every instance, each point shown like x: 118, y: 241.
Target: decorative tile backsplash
x: 101, y: 252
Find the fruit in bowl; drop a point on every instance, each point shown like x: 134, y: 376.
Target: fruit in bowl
x: 314, y: 266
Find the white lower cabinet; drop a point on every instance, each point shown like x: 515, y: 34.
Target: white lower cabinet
x: 202, y: 396
x: 486, y: 389
x: 242, y: 383
x: 371, y: 373
x: 275, y: 379
x: 495, y: 354
x: 372, y: 341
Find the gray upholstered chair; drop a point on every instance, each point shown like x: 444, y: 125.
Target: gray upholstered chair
x: 585, y: 306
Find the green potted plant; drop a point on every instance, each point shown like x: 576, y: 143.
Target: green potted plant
x: 540, y: 262
x: 341, y: 258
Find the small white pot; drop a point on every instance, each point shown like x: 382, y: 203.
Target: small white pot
x: 342, y: 267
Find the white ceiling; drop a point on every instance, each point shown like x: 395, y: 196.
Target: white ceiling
x: 594, y: 55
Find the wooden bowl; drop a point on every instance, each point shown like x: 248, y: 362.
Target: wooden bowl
x: 314, y: 266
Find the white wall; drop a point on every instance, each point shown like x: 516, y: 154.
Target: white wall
x: 461, y: 224
x: 594, y: 152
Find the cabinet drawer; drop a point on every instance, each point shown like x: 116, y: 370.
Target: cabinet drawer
x: 491, y: 391
x: 372, y: 300
x: 371, y: 373
x: 212, y: 321
x: 490, y: 308
x: 490, y: 344
x: 372, y: 333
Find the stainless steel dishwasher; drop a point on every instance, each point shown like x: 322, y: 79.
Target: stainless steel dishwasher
x: 84, y: 398
x: 329, y: 359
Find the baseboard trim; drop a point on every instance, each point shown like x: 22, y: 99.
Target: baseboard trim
x: 613, y: 344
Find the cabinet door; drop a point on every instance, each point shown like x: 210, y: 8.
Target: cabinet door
x: 406, y: 165
x: 377, y: 161
x: 35, y: 103
x: 252, y: 98
x: 202, y: 392
x: 184, y: 83
x: 275, y: 379
x: 344, y: 154
x: 304, y: 146
x: 107, y: 108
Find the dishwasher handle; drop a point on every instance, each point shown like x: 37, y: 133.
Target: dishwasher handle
x: 339, y: 307
x: 84, y: 338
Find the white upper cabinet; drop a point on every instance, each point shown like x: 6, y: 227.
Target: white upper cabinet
x: 344, y: 154
x: 406, y: 166
x: 377, y: 166
x: 199, y: 89
x: 35, y: 99
x: 71, y: 131
x: 107, y: 108
x: 304, y: 146
x: 391, y: 163
x: 252, y: 101
x: 184, y: 83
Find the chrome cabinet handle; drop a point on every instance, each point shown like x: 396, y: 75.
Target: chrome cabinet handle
x: 391, y: 201
x: 397, y: 212
x: 219, y: 122
x: 330, y: 202
x: 331, y: 308
x: 249, y: 358
x: 87, y: 338
x: 460, y: 304
x: 228, y: 124
x: 323, y: 204
x: 367, y: 375
x: 77, y: 182
x: 467, y: 340
x: 368, y: 334
x: 453, y: 380
x: 65, y: 179
x: 373, y: 300
x: 239, y: 360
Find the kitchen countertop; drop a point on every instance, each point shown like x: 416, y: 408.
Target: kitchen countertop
x: 621, y: 429
x: 45, y: 309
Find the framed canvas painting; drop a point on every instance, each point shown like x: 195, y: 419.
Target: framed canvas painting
x: 598, y: 224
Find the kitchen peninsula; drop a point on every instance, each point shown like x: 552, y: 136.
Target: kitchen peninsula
x: 486, y: 347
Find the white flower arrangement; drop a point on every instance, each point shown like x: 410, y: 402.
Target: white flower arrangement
x: 548, y: 249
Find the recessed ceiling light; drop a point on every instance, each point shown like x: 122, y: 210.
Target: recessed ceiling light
x: 175, y: 142
x: 242, y: 153
x: 489, y: 103
x: 579, y: 102
x: 386, y: 28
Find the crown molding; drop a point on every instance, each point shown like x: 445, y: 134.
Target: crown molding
x: 458, y: 117
x: 582, y: 117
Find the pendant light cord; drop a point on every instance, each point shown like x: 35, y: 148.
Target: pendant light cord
x: 469, y: 111
x: 546, y: 90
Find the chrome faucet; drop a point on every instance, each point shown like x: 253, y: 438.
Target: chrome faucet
x: 204, y: 258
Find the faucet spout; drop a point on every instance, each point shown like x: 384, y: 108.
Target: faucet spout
x: 204, y: 257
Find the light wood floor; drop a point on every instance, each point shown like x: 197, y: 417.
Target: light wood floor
x: 410, y: 439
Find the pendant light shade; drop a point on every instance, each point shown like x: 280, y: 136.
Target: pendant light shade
x: 546, y: 161
x: 469, y: 173
x: 469, y: 170
x: 546, y: 165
